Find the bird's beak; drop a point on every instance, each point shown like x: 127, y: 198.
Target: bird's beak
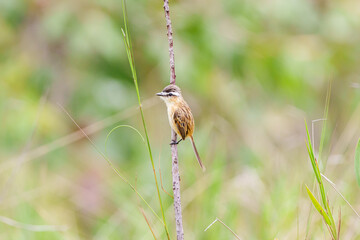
x: 160, y: 94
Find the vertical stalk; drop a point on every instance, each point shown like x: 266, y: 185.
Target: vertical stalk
x: 174, y: 152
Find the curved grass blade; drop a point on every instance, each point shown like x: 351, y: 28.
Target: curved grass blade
x: 120, y: 126
x: 111, y: 165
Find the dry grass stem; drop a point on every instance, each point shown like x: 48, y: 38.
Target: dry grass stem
x: 218, y: 220
x: 342, y: 196
x: 76, y: 135
x: 31, y: 227
x: 312, y: 129
x: 143, y: 213
x: 339, y: 223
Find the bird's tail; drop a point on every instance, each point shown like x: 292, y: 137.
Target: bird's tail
x: 197, y: 154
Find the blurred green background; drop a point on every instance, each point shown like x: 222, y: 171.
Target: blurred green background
x: 251, y: 71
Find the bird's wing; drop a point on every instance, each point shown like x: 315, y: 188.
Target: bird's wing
x: 181, y: 123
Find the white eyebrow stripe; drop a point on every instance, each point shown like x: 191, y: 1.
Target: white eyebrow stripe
x: 175, y: 93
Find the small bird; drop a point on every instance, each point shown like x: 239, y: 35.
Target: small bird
x: 180, y: 117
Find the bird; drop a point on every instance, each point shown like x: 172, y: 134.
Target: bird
x: 180, y: 117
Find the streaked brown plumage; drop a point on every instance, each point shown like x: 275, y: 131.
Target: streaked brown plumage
x: 180, y: 117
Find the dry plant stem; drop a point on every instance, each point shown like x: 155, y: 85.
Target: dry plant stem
x: 174, y: 152
x: 75, y: 136
x: 147, y: 221
x: 143, y: 213
x: 218, y: 220
x: 176, y: 189
x: 171, y: 43
x: 31, y: 227
x: 342, y: 196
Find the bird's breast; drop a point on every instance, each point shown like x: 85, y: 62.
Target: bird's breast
x: 171, y: 111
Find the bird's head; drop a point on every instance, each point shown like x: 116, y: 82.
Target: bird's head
x: 170, y: 93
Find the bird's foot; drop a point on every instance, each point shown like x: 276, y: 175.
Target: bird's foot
x: 175, y: 143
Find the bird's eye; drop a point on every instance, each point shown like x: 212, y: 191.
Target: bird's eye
x: 170, y: 94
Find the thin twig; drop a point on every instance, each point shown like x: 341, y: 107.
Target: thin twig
x: 174, y: 152
x: 171, y: 43
x: 334, y: 186
x: 312, y: 129
x: 31, y: 227
x: 218, y: 220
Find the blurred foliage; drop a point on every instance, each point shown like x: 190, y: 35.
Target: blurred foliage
x: 251, y: 72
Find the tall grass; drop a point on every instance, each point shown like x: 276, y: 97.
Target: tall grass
x: 130, y: 55
x: 323, y: 208
x: 129, y: 52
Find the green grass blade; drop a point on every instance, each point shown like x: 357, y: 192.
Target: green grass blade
x: 318, y: 207
x: 357, y: 162
x: 312, y: 156
x: 130, y: 56
x: 325, y: 213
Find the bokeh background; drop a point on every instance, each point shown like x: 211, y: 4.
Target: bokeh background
x: 252, y: 71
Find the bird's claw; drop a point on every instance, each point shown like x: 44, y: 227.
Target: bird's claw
x: 175, y: 143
